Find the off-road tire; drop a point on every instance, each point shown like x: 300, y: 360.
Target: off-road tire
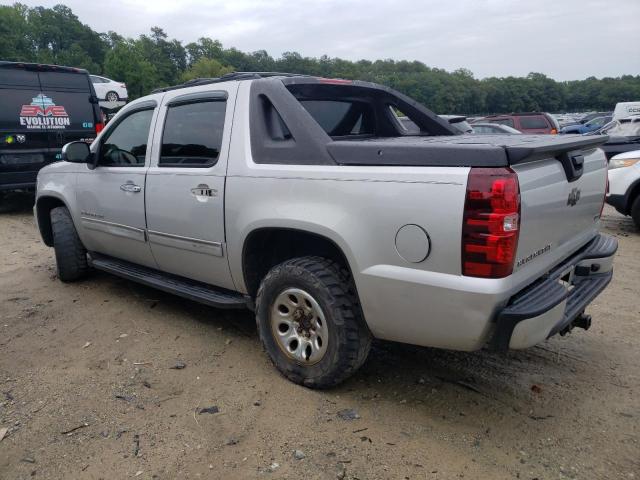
x: 635, y: 211
x: 71, y: 256
x: 332, y: 287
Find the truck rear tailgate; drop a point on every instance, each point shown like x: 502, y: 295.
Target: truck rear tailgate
x: 562, y: 190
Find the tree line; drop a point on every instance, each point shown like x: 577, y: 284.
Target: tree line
x: 55, y: 35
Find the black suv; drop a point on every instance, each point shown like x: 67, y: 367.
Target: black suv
x: 42, y: 107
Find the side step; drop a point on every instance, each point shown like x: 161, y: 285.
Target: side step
x: 183, y: 287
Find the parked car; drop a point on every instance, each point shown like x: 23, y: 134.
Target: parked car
x: 533, y: 122
x: 624, y: 184
x: 624, y: 135
x: 590, y: 126
x: 626, y: 109
x: 459, y: 123
x: 109, y: 90
x: 42, y: 108
x: 590, y: 116
x: 493, y: 128
x: 306, y: 200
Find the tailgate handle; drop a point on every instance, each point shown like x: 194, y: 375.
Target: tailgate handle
x: 573, y: 164
x: 577, y: 160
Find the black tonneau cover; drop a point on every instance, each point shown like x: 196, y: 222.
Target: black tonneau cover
x: 459, y: 150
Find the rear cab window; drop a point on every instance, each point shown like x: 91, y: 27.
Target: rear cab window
x: 351, y: 111
x: 342, y: 118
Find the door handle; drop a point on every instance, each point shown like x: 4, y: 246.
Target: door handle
x: 130, y: 187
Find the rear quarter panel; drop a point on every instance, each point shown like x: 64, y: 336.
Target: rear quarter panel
x: 361, y: 210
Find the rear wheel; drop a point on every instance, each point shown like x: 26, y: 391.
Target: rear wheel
x: 310, y: 322
x: 112, y: 97
x: 71, y: 256
x: 635, y: 211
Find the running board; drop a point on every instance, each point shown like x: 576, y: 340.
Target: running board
x: 183, y: 287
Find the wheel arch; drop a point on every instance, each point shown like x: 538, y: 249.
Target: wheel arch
x: 44, y: 205
x: 265, y: 247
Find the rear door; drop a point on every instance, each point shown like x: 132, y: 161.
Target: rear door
x: 23, y: 139
x: 66, y: 100
x: 185, y: 184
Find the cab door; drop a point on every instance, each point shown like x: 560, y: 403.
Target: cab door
x: 185, y: 184
x: 110, y: 197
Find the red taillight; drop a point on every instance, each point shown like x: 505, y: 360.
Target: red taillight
x: 491, y: 223
x: 99, y: 127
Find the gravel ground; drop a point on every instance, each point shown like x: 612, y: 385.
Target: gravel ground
x: 87, y: 390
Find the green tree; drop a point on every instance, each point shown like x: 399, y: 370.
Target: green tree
x: 206, y: 68
x: 126, y: 62
x: 55, y: 35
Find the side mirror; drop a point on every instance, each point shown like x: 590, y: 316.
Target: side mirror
x: 76, y: 152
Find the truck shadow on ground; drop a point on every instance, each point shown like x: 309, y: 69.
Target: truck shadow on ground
x: 511, y: 381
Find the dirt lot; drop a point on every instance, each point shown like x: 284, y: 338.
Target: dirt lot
x: 87, y: 390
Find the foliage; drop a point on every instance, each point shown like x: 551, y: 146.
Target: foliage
x: 55, y: 35
x: 205, y: 68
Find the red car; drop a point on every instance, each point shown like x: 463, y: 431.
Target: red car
x: 534, y: 122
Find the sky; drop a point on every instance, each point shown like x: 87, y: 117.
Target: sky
x: 564, y: 39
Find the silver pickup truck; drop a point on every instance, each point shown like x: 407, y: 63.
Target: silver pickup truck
x: 308, y: 201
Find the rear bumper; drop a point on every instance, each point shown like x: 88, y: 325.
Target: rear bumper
x: 556, y: 302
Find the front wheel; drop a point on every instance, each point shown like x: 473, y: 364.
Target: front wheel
x: 310, y: 322
x: 71, y: 256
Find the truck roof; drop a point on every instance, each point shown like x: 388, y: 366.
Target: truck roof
x: 227, y: 78
x: 41, y: 67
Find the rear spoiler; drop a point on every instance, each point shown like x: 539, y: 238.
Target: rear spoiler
x: 551, y: 147
x: 568, y: 151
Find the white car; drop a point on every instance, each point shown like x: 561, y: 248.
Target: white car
x: 624, y: 184
x: 109, y: 90
x: 626, y: 109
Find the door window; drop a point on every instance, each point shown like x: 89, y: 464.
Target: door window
x: 126, y: 144
x: 192, y: 135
